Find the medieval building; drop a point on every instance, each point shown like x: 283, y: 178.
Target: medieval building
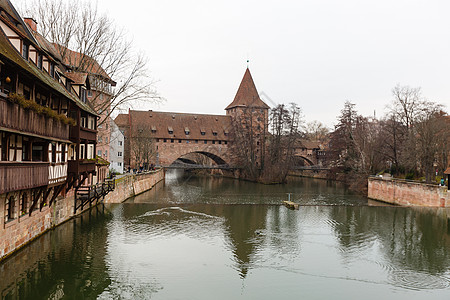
x: 160, y: 138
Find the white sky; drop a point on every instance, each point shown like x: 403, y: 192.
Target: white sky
x: 317, y: 53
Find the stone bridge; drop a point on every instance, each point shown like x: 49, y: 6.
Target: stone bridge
x: 182, y: 135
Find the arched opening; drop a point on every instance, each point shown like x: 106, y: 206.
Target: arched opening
x: 301, y: 161
x: 199, y: 160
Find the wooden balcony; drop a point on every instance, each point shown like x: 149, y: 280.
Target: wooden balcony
x: 14, y: 117
x: 22, y: 175
x: 81, y: 166
x: 82, y: 134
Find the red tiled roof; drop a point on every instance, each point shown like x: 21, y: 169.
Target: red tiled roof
x: 78, y: 78
x: 215, y: 127
x: 247, y: 95
x: 73, y: 59
x: 121, y: 120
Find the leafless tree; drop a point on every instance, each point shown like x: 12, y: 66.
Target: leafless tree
x: 88, y: 41
x: 354, y: 147
x: 431, y: 133
x: 142, y: 146
x: 316, y: 131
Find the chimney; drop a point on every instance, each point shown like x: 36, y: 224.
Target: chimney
x: 31, y: 23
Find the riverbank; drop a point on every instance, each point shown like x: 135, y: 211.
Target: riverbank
x: 407, y: 193
x: 19, y: 232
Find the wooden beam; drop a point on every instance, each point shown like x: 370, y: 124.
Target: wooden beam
x: 56, y: 192
x: 44, y: 198
x: 36, y: 198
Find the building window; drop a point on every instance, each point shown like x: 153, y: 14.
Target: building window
x: 213, y: 142
x: 170, y: 130
x: 196, y: 141
x: 23, y: 204
x: 63, y: 153
x: 82, y: 151
x: 83, y: 122
x: 203, y: 133
x: 225, y: 142
x: 171, y: 140
x: 100, y: 126
x: 10, y: 209
x: 39, y: 61
x: 215, y: 133
x: 52, y: 70
x: 25, y: 51
x: 220, y: 142
x: 106, y: 139
x: 106, y: 153
x: 90, y: 95
x: 99, y: 152
x: 119, y: 153
x: 119, y: 164
x: 120, y: 143
x: 205, y: 141
x: 100, y: 139
x: 179, y: 141
x: 187, y: 141
x: 165, y: 140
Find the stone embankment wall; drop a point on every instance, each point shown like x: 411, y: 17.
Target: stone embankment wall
x: 322, y: 174
x: 407, y: 193
x: 131, y: 185
x: 17, y: 233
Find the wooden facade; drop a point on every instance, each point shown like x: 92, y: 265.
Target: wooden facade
x: 47, y: 131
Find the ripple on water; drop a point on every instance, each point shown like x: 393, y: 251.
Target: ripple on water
x: 417, y: 280
x: 169, y: 222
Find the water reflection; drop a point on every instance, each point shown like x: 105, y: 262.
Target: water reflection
x: 190, y: 239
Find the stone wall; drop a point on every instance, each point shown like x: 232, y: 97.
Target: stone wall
x: 23, y: 229
x: 407, y: 193
x: 134, y: 184
x: 18, y: 232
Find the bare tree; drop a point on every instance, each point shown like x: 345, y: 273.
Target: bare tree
x: 88, y: 41
x: 142, y: 146
x: 354, y: 147
x: 316, y: 131
x: 431, y: 133
x: 248, y: 142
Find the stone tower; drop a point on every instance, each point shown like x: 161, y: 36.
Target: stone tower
x: 249, y: 118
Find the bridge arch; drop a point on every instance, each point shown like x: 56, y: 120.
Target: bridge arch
x: 300, y: 161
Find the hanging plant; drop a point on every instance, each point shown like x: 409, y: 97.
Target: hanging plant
x: 39, y: 109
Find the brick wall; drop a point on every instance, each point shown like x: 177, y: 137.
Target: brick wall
x: 407, y: 193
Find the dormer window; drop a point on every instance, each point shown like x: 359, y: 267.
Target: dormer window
x: 39, y: 61
x: 52, y: 70
x: 83, y: 95
x: 225, y: 132
x: 170, y: 130
x: 214, y: 132
x: 25, y: 49
x: 202, y: 131
x: 153, y: 129
x: 186, y: 130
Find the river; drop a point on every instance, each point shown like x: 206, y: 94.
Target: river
x: 218, y: 238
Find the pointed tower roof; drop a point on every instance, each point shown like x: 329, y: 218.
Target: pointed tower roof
x: 247, y: 95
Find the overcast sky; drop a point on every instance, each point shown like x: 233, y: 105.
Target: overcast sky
x: 317, y: 53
